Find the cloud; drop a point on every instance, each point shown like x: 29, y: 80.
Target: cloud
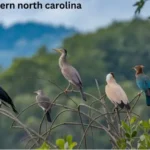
x: 95, y: 13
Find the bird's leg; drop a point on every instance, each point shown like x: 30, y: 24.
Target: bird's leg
x: 66, y: 90
x: 0, y: 103
x: 72, y: 88
x: 115, y: 108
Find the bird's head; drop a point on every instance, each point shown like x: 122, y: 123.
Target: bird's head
x: 110, y: 77
x: 38, y: 92
x: 138, y: 68
x: 61, y: 50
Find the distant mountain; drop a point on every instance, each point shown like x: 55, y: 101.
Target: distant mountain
x: 24, y: 39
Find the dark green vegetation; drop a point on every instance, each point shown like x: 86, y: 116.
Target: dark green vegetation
x: 116, y: 48
x: 136, y: 134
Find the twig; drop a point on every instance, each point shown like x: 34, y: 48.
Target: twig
x: 104, y: 106
x: 82, y: 127
x: 103, y: 127
x: 8, y: 114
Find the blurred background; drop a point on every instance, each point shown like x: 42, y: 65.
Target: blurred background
x: 105, y: 36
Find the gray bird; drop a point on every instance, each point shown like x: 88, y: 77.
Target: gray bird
x: 44, y: 102
x: 69, y: 72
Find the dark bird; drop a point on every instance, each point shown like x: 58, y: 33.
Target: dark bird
x: 44, y: 102
x: 5, y: 97
x: 115, y: 92
x: 143, y: 82
x: 69, y: 72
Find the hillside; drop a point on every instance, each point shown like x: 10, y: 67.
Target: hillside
x: 116, y: 48
x: 24, y: 39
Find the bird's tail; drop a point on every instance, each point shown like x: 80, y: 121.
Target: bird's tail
x: 127, y: 106
x: 122, y: 105
x: 14, y: 109
x: 82, y: 94
x: 147, y: 94
x: 48, y: 116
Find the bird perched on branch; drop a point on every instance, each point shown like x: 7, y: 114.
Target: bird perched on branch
x: 69, y: 72
x: 6, y: 98
x: 143, y: 82
x: 115, y: 92
x: 44, y: 102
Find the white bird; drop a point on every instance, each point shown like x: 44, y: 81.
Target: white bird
x: 44, y: 102
x: 115, y: 92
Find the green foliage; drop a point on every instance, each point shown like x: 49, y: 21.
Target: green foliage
x: 66, y: 143
x: 122, y: 143
x: 44, y: 146
x: 136, y: 134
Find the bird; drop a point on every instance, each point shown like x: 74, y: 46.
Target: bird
x: 70, y: 73
x: 143, y: 82
x: 44, y: 102
x: 4, y: 97
x: 115, y: 92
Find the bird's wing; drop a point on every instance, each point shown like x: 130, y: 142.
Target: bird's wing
x: 143, y: 82
x: 5, y: 97
x: 110, y: 94
x: 116, y: 94
x: 43, y: 101
x: 122, y: 94
x: 72, y: 75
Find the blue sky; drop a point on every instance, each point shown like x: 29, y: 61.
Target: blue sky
x: 95, y: 14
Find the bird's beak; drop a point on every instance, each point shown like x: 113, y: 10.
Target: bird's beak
x: 58, y: 50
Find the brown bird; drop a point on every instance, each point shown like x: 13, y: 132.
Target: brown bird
x: 115, y: 92
x: 44, y: 102
x: 69, y: 72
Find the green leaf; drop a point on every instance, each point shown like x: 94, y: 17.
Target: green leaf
x: 66, y: 146
x: 134, y: 133
x: 135, y: 127
x: 127, y: 135
x: 125, y: 127
x: 142, y: 137
x: 44, y: 146
x: 142, y: 145
x: 73, y: 145
x: 141, y: 122
x: 60, y: 143
x: 122, y: 143
x: 133, y: 120
x: 145, y: 124
x: 148, y: 144
x: 66, y: 142
x: 69, y: 139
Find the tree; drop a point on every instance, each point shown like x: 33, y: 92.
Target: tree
x: 139, y: 5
